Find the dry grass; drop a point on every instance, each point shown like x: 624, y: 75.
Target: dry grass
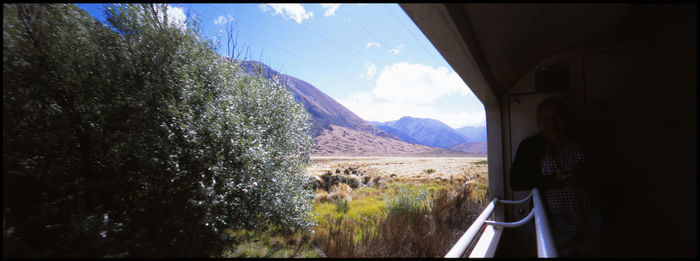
x: 457, y: 190
x: 341, y: 191
x: 268, y: 243
x: 357, y: 223
x: 322, y: 196
x: 406, y: 168
x: 428, y: 232
x: 338, y: 191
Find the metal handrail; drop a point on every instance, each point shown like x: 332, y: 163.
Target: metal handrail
x: 545, y: 243
x: 512, y: 224
x: 517, y: 201
x: 463, y: 242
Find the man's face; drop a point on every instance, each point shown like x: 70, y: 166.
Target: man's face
x: 551, y: 123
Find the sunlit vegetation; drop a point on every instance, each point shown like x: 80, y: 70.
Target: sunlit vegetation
x: 481, y: 162
x: 270, y: 243
x: 139, y: 140
x: 406, y: 220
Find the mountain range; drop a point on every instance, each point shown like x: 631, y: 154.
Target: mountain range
x: 434, y: 133
x: 423, y: 131
x: 324, y: 110
x: 473, y: 134
x: 338, y: 131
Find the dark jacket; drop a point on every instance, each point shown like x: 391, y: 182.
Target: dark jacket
x: 525, y: 172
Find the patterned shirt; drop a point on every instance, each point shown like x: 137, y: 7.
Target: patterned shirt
x: 569, y: 205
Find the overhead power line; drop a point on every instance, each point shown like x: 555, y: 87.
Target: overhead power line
x: 363, y: 28
x: 333, y: 43
x: 302, y: 58
x: 338, y: 71
x: 414, y: 37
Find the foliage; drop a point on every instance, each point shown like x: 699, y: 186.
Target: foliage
x: 262, y: 243
x: 366, y: 230
x: 341, y: 205
x: 479, y: 185
x: 366, y: 209
x: 361, y: 208
x: 139, y: 141
x: 426, y: 186
x: 406, y: 202
x: 428, y: 231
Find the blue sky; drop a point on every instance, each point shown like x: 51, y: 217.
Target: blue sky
x: 371, y: 58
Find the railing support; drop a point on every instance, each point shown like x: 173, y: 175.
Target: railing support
x: 461, y: 245
x: 512, y: 224
x: 545, y: 241
x: 529, y: 196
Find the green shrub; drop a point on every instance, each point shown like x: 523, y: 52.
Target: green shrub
x: 429, y: 171
x: 341, y: 205
x: 365, y: 208
x: 481, y: 162
x: 405, y: 202
x: 272, y: 244
x: 139, y: 141
x: 428, y: 231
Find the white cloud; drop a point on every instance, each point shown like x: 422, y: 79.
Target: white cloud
x: 294, y: 12
x: 371, y: 71
x: 375, y: 44
x: 418, y: 83
x: 404, y: 89
x: 176, y: 17
x: 223, y: 19
x: 330, y: 9
x: 397, y: 49
x: 369, y: 108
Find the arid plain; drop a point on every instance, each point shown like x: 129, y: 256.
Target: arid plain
x: 406, y: 168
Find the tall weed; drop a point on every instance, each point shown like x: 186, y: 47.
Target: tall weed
x: 341, y: 205
x: 405, y: 202
x: 415, y: 226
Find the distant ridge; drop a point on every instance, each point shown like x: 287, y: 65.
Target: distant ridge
x: 338, y: 131
x: 478, y: 147
x: 422, y: 131
x: 473, y: 133
x: 341, y: 141
x: 434, y: 133
x: 323, y: 109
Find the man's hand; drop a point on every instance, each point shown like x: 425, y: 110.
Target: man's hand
x: 568, y: 178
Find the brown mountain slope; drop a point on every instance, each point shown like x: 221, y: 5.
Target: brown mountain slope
x: 324, y: 110
x: 338, y: 131
x: 343, y: 141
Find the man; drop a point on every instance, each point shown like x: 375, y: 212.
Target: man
x: 553, y: 162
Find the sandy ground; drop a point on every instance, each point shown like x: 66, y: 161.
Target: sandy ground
x: 403, y: 167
